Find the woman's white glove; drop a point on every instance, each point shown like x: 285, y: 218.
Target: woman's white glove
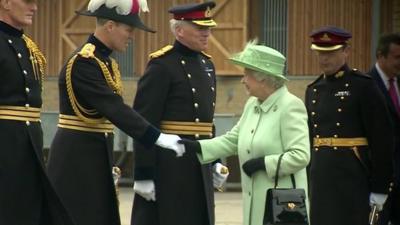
x: 170, y: 141
x: 378, y: 200
x: 146, y: 189
x: 220, y: 175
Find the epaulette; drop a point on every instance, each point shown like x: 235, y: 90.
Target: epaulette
x: 160, y: 52
x: 206, y: 55
x: 360, y: 74
x: 315, y: 81
x: 87, y: 50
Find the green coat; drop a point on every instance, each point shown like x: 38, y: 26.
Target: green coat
x: 277, y: 125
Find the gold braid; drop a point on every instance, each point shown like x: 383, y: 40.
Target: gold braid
x: 37, y: 59
x: 114, y: 83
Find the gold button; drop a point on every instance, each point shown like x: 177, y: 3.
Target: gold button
x: 204, y: 61
x: 24, y: 71
x: 315, y: 125
x: 390, y: 189
x: 211, y: 135
x: 19, y: 55
x: 106, y: 134
x: 342, y: 98
x: 28, y: 123
x: 335, y: 148
x: 26, y: 105
x: 197, y: 136
x: 194, y: 90
x: 183, y: 62
x: 10, y: 41
x: 347, y: 85
x: 313, y: 113
x: 317, y: 136
x: 316, y: 149
x: 214, y: 104
x: 212, y: 88
x: 197, y: 120
x: 214, y: 120
x: 338, y: 124
x: 196, y: 105
x: 189, y: 75
x: 335, y: 135
x: 209, y: 74
x: 315, y: 90
x: 339, y: 110
x: 27, y: 90
x: 314, y: 101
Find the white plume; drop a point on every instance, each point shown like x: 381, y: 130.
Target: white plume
x: 143, y: 6
x: 95, y: 4
x: 123, y: 6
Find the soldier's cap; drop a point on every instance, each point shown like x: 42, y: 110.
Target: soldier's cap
x: 329, y: 38
x: 197, y: 13
x: 266, y: 60
x: 123, y: 11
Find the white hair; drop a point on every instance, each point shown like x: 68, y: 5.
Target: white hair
x: 176, y: 23
x: 270, y: 80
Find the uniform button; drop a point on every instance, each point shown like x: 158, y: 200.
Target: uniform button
x: 214, y: 104
x: 196, y: 105
x: 339, y: 110
x: 194, y: 90
x: 197, y: 120
x: 212, y: 89
x: 209, y: 74
x: 10, y: 41
x: 391, y: 184
x: 204, y: 61
x: 314, y: 101
x: 210, y: 135
x: 335, y: 148
x: 213, y: 120
x: 24, y: 71
x: 19, y: 55
x: 335, y: 136
x: 28, y: 123
x: 248, y: 151
x: 107, y: 63
x: 390, y: 189
x: 252, y: 131
x: 26, y: 105
x: 183, y: 62
x: 106, y: 134
x: 27, y: 90
x: 189, y: 75
x: 342, y: 98
x: 347, y: 85
x: 315, y: 125
x: 317, y: 136
x: 197, y: 136
x: 316, y: 149
x: 315, y: 90
x: 338, y: 124
x: 313, y: 113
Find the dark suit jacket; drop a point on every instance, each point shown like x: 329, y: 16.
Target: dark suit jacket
x: 394, y: 117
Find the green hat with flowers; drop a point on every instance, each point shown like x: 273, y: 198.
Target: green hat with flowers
x: 262, y: 59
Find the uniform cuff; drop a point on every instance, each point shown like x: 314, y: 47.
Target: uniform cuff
x: 149, y: 137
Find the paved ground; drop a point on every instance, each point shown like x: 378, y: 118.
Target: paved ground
x: 228, y: 209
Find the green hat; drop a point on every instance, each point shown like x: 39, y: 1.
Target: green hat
x: 262, y: 59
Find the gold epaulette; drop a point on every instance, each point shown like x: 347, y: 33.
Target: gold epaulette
x: 160, y: 52
x: 87, y: 51
x: 207, y: 55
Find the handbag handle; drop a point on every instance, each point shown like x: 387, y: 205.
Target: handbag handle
x: 277, y: 173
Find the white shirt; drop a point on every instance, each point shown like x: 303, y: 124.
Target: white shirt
x: 385, y: 80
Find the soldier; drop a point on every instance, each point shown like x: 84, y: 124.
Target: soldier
x: 386, y: 73
x: 351, y: 153
x: 26, y: 196
x: 80, y: 161
x: 177, y: 94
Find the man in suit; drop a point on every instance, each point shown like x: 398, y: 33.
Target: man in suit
x: 90, y: 87
x: 26, y: 196
x: 177, y: 94
x: 386, y: 73
x: 351, y: 153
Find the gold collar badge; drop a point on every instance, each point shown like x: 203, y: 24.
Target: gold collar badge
x: 325, y: 37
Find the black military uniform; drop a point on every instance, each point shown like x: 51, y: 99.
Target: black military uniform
x: 26, y: 196
x: 350, y: 152
x: 177, y: 94
x: 80, y: 161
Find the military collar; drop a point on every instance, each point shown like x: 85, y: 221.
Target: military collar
x: 100, y: 46
x: 269, y: 103
x: 10, y: 30
x: 185, y: 50
x: 339, y: 74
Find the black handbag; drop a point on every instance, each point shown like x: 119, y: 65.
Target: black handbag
x: 285, y: 206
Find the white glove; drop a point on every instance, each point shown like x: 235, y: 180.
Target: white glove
x: 220, y: 175
x: 378, y: 200
x: 146, y: 189
x: 170, y: 141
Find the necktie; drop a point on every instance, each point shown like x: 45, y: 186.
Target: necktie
x: 393, y: 95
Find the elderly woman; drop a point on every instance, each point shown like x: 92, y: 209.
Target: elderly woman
x: 273, y: 122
